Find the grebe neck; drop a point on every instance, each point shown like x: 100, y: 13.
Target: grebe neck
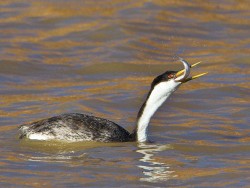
x: 156, y: 97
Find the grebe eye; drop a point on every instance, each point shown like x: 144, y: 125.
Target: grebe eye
x: 170, y: 76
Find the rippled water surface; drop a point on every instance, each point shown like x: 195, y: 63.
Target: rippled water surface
x: 99, y: 57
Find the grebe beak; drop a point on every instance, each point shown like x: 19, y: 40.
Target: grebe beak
x: 184, y: 78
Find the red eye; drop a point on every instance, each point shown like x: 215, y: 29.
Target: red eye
x: 170, y: 76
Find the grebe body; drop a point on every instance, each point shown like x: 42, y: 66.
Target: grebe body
x: 76, y: 127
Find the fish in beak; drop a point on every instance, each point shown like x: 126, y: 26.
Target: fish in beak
x: 182, y: 75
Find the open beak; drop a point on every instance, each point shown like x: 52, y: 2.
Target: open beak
x: 182, y: 75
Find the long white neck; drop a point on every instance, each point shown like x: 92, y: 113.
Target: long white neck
x: 157, y: 97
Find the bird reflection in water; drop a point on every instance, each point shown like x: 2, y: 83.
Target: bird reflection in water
x: 154, y: 171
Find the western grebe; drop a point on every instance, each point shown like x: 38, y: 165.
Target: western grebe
x: 81, y: 127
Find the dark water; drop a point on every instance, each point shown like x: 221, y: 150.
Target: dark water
x: 99, y: 57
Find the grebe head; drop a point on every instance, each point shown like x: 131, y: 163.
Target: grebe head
x: 161, y: 88
x: 165, y: 84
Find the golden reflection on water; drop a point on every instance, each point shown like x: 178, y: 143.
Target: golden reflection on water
x: 99, y: 57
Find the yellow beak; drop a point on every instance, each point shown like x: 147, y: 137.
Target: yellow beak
x: 193, y: 77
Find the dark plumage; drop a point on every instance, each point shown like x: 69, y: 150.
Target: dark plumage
x: 78, y: 127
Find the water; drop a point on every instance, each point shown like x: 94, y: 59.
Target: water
x: 99, y: 57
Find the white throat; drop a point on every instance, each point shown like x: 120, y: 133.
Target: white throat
x: 158, y: 96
